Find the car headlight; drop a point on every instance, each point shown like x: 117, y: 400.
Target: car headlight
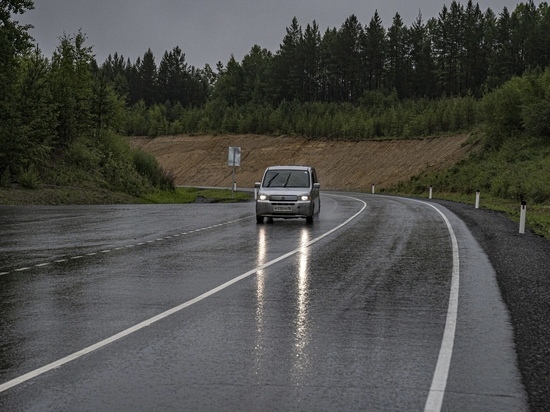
x: 262, y: 197
x: 304, y: 198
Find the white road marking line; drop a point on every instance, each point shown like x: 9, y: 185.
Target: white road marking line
x: 37, y: 372
x: 39, y: 265
x: 120, y: 248
x: 441, y: 374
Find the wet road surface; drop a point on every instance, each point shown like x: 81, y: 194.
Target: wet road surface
x: 350, y: 313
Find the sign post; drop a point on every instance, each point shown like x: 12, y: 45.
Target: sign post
x: 234, y: 160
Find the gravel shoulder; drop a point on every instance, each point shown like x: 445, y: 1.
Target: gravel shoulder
x: 522, y: 265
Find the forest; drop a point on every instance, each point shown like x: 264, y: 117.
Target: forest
x: 468, y: 69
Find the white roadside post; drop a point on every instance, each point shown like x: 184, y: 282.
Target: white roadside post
x: 234, y: 160
x: 431, y: 192
x: 477, y: 199
x: 372, y: 188
x: 522, y: 217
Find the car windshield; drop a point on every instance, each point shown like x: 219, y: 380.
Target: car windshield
x: 286, y: 178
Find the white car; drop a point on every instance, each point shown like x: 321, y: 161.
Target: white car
x: 288, y: 192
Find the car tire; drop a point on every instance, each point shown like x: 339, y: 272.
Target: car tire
x: 259, y: 219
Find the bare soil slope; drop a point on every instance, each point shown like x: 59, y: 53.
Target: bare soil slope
x: 342, y: 165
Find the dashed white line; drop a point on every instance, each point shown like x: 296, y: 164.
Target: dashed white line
x: 54, y: 365
x: 120, y: 248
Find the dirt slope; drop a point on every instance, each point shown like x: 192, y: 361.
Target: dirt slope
x: 344, y: 165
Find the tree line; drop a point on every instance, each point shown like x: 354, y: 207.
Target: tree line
x: 357, y: 81
x: 463, y: 51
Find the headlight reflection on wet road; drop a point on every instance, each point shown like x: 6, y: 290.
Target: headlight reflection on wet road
x: 260, y: 299
x: 301, y: 323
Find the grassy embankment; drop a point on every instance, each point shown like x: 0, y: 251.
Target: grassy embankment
x: 519, y: 170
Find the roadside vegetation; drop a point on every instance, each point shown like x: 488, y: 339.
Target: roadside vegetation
x: 63, y: 118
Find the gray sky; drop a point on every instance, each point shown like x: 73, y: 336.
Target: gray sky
x: 209, y: 31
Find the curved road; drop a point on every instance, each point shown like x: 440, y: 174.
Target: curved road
x: 382, y: 304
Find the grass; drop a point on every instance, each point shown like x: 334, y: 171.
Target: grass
x: 191, y: 195
x: 67, y: 195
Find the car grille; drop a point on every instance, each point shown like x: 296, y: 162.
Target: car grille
x: 282, y: 198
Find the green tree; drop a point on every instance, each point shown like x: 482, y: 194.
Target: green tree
x: 287, y: 75
x: 421, y: 61
x: 72, y: 88
x: 311, y: 50
x: 350, y: 53
x: 448, y: 43
x: 146, y: 82
x: 255, y: 70
x: 116, y: 70
x: 375, y: 52
x: 173, y: 78
x: 36, y: 111
x: 474, y: 61
x: 398, y: 67
x: 14, y: 42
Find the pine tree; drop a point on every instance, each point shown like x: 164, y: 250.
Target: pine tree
x: 397, y: 63
x: 147, y: 79
x: 375, y: 52
x: 350, y: 54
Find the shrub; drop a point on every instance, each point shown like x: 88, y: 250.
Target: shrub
x: 29, y: 179
x: 5, y: 179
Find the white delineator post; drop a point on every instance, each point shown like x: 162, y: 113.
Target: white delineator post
x: 373, y: 188
x: 431, y: 192
x: 477, y: 199
x: 522, y: 216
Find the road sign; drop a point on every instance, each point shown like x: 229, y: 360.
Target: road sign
x: 234, y: 157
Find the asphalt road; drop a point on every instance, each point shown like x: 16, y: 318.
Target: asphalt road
x: 382, y: 304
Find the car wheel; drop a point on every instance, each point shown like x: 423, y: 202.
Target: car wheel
x: 259, y: 219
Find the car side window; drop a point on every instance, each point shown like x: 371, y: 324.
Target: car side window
x: 314, y: 175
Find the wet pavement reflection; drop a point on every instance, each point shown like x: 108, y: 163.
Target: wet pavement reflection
x: 301, y: 323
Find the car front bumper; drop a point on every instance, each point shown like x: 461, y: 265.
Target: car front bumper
x: 281, y: 209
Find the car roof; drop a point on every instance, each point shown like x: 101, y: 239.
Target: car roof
x: 293, y: 167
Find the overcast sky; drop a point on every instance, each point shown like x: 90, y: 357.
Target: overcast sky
x: 209, y: 31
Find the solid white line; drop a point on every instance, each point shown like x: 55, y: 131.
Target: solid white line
x: 441, y: 374
x: 33, y: 374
